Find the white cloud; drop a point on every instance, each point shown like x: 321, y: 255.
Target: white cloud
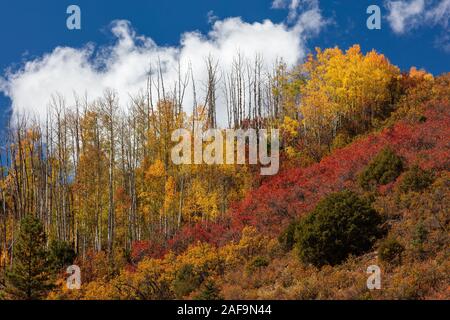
x: 440, y: 14
x: 407, y: 15
x: 279, y: 4
x: 443, y: 42
x: 404, y: 14
x: 211, y: 16
x: 311, y: 21
x: 297, y: 8
x: 123, y: 66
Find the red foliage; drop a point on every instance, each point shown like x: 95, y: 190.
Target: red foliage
x: 295, y: 191
x: 216, y: 233
x: 148, y: 248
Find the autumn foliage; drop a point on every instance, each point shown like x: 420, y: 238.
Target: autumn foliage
x: 364, y: 179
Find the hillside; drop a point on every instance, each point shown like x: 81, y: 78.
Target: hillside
x: 241, y: 257
x: 363, y: 182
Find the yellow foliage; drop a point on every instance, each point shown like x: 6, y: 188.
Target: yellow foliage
x: 156, y: 170
x: 202, y: 256
x: 344, y: 86
x: 201, y: 204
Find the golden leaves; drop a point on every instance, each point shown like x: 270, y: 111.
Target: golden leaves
x: 156, y: 170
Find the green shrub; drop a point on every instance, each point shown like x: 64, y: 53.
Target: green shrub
x: 416, y: 179
x: 390, y: 251
x: 342, y: 224
x: 286, y: 239
x: 420, y: 234
x: 257, y: 263
x: 419, y: 239
x: 186, y: 280
x: 384, y: 168
x: 61, y: 255
x: 422, y: 119
x: 209, y: 292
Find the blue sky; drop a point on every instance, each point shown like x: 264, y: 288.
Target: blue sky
x: 30, y: 29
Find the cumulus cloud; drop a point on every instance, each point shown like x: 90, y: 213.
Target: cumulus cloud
x: 407, y: 15
x: 124, y: 66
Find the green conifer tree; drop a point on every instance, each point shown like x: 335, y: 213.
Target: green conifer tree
x: 29, y: 277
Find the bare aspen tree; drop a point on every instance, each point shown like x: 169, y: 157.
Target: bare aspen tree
x: 211, y: 86
x: 109, y: 107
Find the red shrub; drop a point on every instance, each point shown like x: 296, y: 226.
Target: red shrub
x: 148, y: 248
x: 293, y: 192
x: 216, y: 233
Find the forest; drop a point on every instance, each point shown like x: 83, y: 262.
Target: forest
x: 363, y: 180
